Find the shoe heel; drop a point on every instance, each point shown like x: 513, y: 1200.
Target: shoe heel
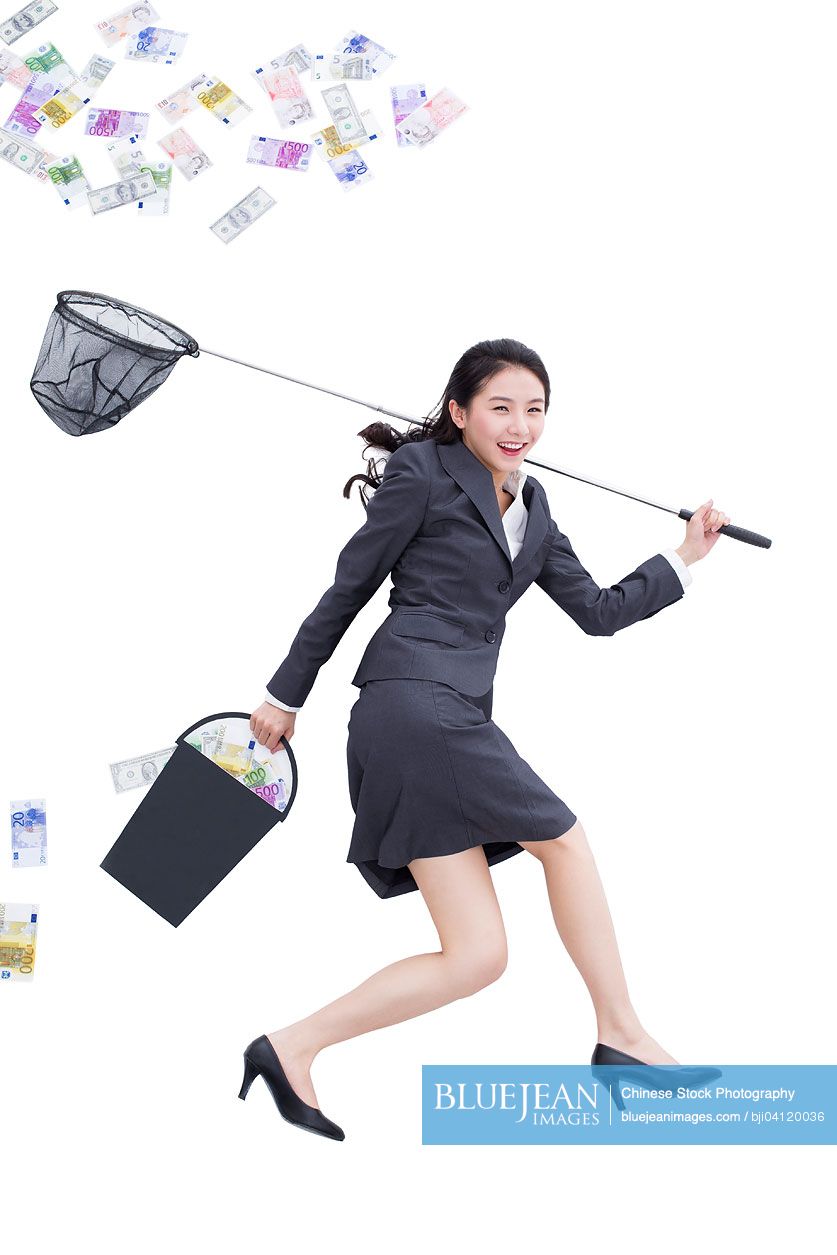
x: 610, y: 1081
x: 250, y: 1074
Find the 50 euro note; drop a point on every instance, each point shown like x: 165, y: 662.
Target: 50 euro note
x: 188, y: 157
x: 222, y: 102
x: 18, y: 940
x: 125, y: 22
x: 21, y: 23
x: 431, y: 118
x: 286, y: 93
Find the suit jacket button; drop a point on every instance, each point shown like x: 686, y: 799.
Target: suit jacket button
x: 491, y: 637
x: 503, y: 586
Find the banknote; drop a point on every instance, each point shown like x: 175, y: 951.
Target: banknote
x: 287, y: 95
x: 188, y: 157
x: 69, y: 180
x: 344, y: 112
x: 125, y: 192
x: 405, y: 99
x: 350, y: 170
x: 298, y: 56
x: 156, y: 206
x: 22, y: 153
x: 328, y: 144
x: 285, y: 154
x: 230, y: 744
x: 59, y: 109
x: 243, y: 215
x: 13, y: 70
x: 432, y: 117
x: 377, y: 53
x: 115, y: 122
x: 222, y: 102
x: 331, y: 65
x: 137, y: 773
x: 29, y: 833
x: 18, y: 940
x: 155, y: 44
x: 50, y: 64
x: 21, y: 23
x: 112, y: 29
x: 22, y: 120
x: 183, y: 101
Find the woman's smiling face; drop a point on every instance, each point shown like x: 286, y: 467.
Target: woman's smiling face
x: 509, y: 409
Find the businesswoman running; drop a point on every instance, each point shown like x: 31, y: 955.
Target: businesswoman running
x: 438, y: 791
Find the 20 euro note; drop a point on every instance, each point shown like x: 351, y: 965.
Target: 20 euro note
x: 359, y: 44
x: 18, y: 940
x: 344, y: 112
x: 21, y: 23
x: 155, y: 44
x: 29, y: 833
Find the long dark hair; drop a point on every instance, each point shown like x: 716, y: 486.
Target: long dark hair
x: 475, y: 367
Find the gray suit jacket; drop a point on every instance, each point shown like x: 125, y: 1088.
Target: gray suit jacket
x: 434, y: 523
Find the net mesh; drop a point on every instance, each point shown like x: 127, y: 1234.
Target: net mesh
x: 101, y: 358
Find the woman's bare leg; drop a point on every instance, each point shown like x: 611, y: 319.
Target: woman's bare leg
x: 460, y: 896
x: 584, y: 922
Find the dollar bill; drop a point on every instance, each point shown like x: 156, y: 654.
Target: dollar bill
x: 13, y: 70
x: 405, y: 99
x: 331, y: 65
x: 344, y: 112
x: 287, y: 95
x: 126, y: 192
x: 354, y: 42
x: 222, y: 102
x: 29, y: 833
x: 18, y: 940
x: 188, y: 157
x: 69, y: 180
x: 21, y: 23
x: 243, y: 215
x: 138, y: 773
x: 298, y: 56
x: 155, y: 44
x: 431, y: 118
x: 156, y: 206
x: 182, y: 101
x: 115, y: 122
x: 328, y: 144
x: 350, y: 170
x: 284, y: 154
x: 126, y: 21
x: 21, y: 153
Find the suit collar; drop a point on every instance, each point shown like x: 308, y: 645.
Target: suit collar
x: 478, y: 482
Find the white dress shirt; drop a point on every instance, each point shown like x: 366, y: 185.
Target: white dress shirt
x: 514, y: 525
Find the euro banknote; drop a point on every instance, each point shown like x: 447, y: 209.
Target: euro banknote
x: 231, y: 745
x: 115, y: 122
x: 328, y: 144
x: 298, y: 56
x: 350, y: 170
x: 29, y: 833
x: 21, y: 23
x: 248, y: 210
x: 222, y: 102
x: 18, y: 940
x: 284, y: 154
x: 59, y: 109
x: 155, y: 44
x: 47, y: 62
x: 156, y: 206
x: 356, y: 43
x: 405, y: 98
x: 69, y: 180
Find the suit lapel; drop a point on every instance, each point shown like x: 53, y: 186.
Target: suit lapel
x: 477, y: 481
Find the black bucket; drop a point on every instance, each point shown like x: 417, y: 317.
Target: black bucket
x: 191, y: 829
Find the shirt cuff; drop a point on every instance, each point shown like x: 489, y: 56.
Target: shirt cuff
x: 275, y: 702
x: 679, y: 566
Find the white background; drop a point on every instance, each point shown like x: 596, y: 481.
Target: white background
x: 644, y: 193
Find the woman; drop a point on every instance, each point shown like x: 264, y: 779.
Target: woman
x: 439, y: 792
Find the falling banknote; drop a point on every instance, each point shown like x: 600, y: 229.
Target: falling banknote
x: 18, y: 937
x: 59, y: 109
x: 405, y: 99
x: 287, y: 95
x: 327, y: 142
x: 222, y: 102
x: 21, y: 23
x: 188, y: 157
x: 344, y: 112
x: 243, y: 215
x: 356, y: 43
x: 29, y: 833
x: 115, y: 122
x: 126, y: 22
x: 136, y: 773
x: 230, y: 744
x: 431, y: 118
x: 181, y: 102
x: 155, y: 44
x: 284, y: 154
x: 126, y: 192
x: 13, y: 70
x: 69, y: 180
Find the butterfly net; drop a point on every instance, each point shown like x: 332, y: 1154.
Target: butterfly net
x: 101, y: 358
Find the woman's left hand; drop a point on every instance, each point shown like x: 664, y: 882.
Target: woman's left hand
x: 702, y: 531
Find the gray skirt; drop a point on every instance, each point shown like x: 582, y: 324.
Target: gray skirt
x: 430, y: 773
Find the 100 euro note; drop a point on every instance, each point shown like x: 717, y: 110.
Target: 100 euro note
x: 18, y: 940
x: 69, y: 180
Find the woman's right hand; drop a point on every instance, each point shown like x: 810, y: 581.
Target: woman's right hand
x: 270, y: 724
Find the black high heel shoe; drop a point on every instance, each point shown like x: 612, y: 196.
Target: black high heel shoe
x: 620, y: 1065
x: 261, y: 1059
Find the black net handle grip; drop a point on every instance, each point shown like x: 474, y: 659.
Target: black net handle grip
x: 735, y: 533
